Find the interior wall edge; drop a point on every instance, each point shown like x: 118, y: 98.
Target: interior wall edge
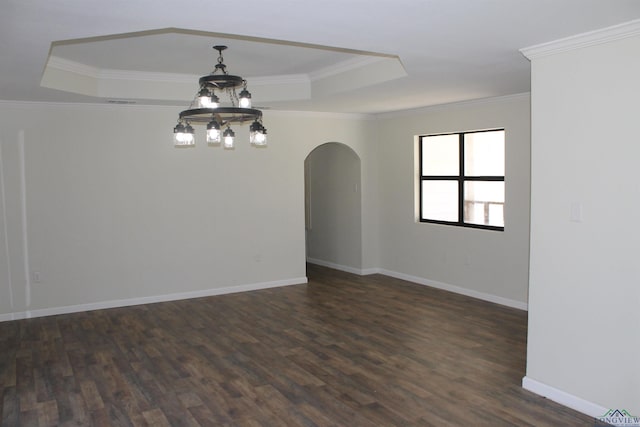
x: 5, y: 231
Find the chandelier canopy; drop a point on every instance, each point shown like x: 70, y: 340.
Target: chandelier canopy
x: 206, y: 108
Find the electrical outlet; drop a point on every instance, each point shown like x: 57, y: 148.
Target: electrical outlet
x: 37, y: 277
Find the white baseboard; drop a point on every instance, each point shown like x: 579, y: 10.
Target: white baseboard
x: 150, y: 300
x: 426, y: 282
x: 457, y: 289
x: 344, y: 268
x: 9, y: 316
x: 256, y: 286
x: 563, y: 398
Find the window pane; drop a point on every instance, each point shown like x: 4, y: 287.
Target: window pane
x: 440, y: 155
x: 484, y: 203
x: 440, y: 200
x: 484, y: 153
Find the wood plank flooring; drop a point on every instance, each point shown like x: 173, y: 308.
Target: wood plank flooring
x: 343, y: 350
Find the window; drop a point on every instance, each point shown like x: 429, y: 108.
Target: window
x: 462, y: 179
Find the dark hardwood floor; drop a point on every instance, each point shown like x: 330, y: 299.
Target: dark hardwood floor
x: 343, y: 350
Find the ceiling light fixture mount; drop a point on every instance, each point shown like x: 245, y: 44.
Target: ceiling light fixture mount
x: 205, y: 108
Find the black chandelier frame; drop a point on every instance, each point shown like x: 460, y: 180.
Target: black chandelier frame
x: 219, y: 80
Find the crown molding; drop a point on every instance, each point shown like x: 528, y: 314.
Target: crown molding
x: 113, y: 74
x: 273, y: 112
x: 278, y: 80
x: 73, y: 67
x: 319, y: 114
x: 103, y: 104
x: 110, y: 74
x: 578, y: 41
x: 174, y: 108
x: 467, y: 103
x: 345, y: 66
x: 147, y: 76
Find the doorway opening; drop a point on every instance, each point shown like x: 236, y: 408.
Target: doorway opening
x: 333, y: 207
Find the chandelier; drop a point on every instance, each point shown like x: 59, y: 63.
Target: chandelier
x: 206, y: 108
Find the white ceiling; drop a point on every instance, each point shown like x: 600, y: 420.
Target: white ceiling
x: 448, y: 50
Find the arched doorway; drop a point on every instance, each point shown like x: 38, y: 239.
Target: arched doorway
x: 333, y: 215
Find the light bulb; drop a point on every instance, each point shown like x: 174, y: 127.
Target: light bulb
x: 204, y: 98
x: 257, y: 134
x: 183, y: 136
x: 213, y: 136
x: 245, y: 99
x: 260, y: 139
x: 214, y: 101
x: 228, y: 138
x: 213, y: 132
x: 189, y: 136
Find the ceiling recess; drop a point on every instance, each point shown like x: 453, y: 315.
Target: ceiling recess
x: 135, y: 66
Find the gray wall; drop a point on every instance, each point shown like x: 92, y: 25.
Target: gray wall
x: 114, y: 214
x: 487, y: 264
x: 584, y: 318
